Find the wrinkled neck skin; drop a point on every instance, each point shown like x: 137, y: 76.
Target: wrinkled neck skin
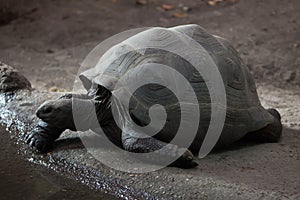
x: 107, y: 122
x: 99, y: 118
x: 103, y: 111
x: 102, y: 102
x: 90, y: 114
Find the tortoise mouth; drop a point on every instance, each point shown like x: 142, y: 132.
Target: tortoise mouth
x: 40, y: 113
x: 45, y: 119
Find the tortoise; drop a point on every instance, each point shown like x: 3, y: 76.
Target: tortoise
x: 245, y: 116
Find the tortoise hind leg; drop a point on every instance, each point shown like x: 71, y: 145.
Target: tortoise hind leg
x: 270, y: 133
x: 135, y: 144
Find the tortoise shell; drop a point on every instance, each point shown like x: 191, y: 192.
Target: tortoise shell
x: 144, y: 53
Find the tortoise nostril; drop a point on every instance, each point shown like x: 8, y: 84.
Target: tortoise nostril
x: 48, y: 109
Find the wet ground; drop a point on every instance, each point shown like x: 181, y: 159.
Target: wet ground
x: 242, y: 171
x: 20, y: 179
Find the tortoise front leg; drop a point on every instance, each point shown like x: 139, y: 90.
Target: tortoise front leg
x: 57, y: 116
x: 144, y: 145
x: 43, y: 136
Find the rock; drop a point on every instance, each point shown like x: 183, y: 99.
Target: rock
x: 11, y: 80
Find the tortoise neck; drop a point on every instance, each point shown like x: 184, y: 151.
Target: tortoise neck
x: 103, y: 111
x: 102, y: 102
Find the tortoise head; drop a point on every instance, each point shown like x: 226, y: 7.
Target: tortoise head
x: 57, y: 113
x: 88, y: 113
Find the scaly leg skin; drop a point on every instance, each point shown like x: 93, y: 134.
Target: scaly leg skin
x: 43, y: 136
x: 77, y: 96
x: 150, y: 144
x: 270, y: 133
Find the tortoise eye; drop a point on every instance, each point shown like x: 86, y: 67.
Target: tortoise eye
x: 48, y: 109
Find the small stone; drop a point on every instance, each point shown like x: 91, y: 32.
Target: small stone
x: 19, y: 98
x: 27, y: 104
x: 179, y: 15
x: 296, y: 45
x: 141, y: 2
x: 167, y: 7
x: 184, y: 8
x: 212, y: 3
x: 50, y: 51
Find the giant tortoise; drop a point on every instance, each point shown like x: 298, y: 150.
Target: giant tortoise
x: 245, y: 115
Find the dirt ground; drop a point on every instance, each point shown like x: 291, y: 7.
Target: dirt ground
x: 47, y: 41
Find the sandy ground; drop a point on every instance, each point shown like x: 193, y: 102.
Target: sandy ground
x: 49, y: 40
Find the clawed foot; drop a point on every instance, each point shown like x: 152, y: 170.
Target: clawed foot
x: 42, y: 137
x: 39, y: 141
x: 185, y: 161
